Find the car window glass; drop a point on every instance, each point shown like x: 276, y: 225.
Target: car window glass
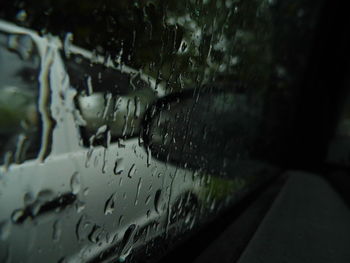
x: 183, y: 107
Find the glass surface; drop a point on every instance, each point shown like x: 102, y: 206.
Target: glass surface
x: 147, y: 119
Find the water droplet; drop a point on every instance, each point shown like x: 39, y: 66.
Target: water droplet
x: 35, y: 208
x: 80, y: 121
x: 108, y: 61
x: 148, y: 199
x: 157, y: 200
x: 139, y: 184
x: 132, y: 171
x: 101, y: 130
x: 75, y: 183
x: 90, y: 89
x: 28, y: 198
x: 79, y: 206
x: 20, y: 148
x: 7, y: 160
x: 5, y: 229
x: 104, y: 159
x: 126, y: 246
x: 68, y: 39
x: 115, y: 238
x: 22, y: 44
x: 17, y: 215
x: 88, y: 157
x: 57, y: 231
x: 96, y: 161
x: 149, y: 156
x: 108, y: 99
x: 121, y: 143
x: 137, y: 111
x: 95, y: 234
x: 118, y: 168
x: 120, y: 221
x: 79, y: 227
x: 183, y: 47
x: 45, y: 195
x: 86, y: 191
x: 94, y: 56
x: 110, y: 204
x: 234, y: 60
x: 12, y: 42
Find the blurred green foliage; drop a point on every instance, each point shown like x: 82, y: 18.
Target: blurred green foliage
x: 184, y: 43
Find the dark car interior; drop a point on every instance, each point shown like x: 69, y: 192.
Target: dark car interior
x: 303, y: 215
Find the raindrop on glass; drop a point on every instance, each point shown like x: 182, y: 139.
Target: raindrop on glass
x: 57, y: 231
x: 157, y: 200
x: 75, y: 183
x: 132, y: 171
x: 68, y: 39
x: 110, y: 204
x: 118, y: 168
x: 5, y: 229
